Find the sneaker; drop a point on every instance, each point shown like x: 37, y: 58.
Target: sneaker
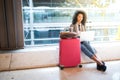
x: 101, y: 67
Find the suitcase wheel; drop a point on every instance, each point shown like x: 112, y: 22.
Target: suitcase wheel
x: 61, y: 67
x: 80, y: 66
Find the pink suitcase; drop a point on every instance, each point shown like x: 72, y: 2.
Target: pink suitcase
x: 69, y: 53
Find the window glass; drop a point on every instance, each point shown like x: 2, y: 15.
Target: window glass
x: 25, y: 3
x: 45, y: 19
x: 52, y: 16
x: 44, y: 3
x: 26, y: 16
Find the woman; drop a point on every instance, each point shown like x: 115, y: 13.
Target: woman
x: 78, y: 25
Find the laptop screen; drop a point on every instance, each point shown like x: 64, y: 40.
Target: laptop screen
x: 87, y: 35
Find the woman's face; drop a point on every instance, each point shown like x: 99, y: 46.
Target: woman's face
x: 79, y: 18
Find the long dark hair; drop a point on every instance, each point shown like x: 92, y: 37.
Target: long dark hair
x: 75, y: 17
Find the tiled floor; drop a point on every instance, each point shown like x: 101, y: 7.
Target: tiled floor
x: 87, y: 72
x: 5, y: 61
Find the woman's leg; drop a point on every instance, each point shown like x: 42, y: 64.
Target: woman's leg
x: 86, y: 51
x: 90, y: 54
x: 97, y: 60
x: 93, y: 51
x: 86, y: 48
x: 89, y: 47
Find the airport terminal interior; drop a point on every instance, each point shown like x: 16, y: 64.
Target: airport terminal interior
x: 30, y: 39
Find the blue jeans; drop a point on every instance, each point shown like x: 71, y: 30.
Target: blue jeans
x: 87, y: 49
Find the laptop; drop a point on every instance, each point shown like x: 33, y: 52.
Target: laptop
x: 87, y: 36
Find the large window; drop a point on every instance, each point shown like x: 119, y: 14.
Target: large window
x: 44, y: 19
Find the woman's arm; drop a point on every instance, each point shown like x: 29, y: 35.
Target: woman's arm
x: 71, y: 28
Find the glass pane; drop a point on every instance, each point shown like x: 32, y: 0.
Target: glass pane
x: 58, y: 3
x: 42, y: 42
x: 27, y: 34
x: 39, y: 42
x: 43, y: 3
x: 103, y: 15
x: 54, y: 33
x: 25, y: 3
x: 26, y: 16
x: 52, y: 16
x: 27, y: 42
x: 40, y: 34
